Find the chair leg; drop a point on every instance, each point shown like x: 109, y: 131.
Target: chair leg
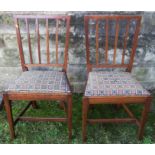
x: 63, y: 106
x: 34, y: 104
x: 7, y: 105
x: 70, y: 117
x: 84, y: 118
x: 144, y: 118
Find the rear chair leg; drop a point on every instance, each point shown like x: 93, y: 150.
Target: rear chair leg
x: 7, y: 105
x: 144, y: 118
x: 84, y: 118
x: 34, y: 104
x: 70, y: 116
x: 63, y: 106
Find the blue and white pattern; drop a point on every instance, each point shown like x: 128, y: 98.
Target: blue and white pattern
x: 103, y: 83
x: 40, y: 81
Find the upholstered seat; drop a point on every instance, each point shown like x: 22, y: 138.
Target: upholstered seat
x: 103, y: 83
x: 40, y: 81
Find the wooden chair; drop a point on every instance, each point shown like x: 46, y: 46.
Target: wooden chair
x: 34, y: 85
x: 113, y: 87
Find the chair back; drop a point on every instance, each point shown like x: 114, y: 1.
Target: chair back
x: 112, y: 39
x: 43, y: 40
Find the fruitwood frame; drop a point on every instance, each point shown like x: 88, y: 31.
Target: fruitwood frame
x: 65, y: 98
x: 118, y: 100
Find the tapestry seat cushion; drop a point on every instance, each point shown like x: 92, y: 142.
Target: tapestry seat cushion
x: 103, y: 83
x: 40, y: 81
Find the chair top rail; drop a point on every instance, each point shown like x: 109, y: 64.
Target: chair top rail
x: 113, y: 17
x: 41, y: 16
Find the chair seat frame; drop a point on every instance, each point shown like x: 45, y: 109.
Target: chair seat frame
x: 121, y: 100
x: 66, y: 99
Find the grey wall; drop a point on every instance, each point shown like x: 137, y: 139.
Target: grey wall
x: 144, y: 64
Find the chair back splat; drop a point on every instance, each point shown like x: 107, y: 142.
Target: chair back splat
x: 36, y: 30
x: 114, y: 39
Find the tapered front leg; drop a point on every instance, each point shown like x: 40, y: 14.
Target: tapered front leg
x: 144, y: 118
x: 84, y: 118
x: 7, y: 105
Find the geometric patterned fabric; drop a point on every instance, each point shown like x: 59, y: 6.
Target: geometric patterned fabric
x: 103, y: 83
x: 40, y: 81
